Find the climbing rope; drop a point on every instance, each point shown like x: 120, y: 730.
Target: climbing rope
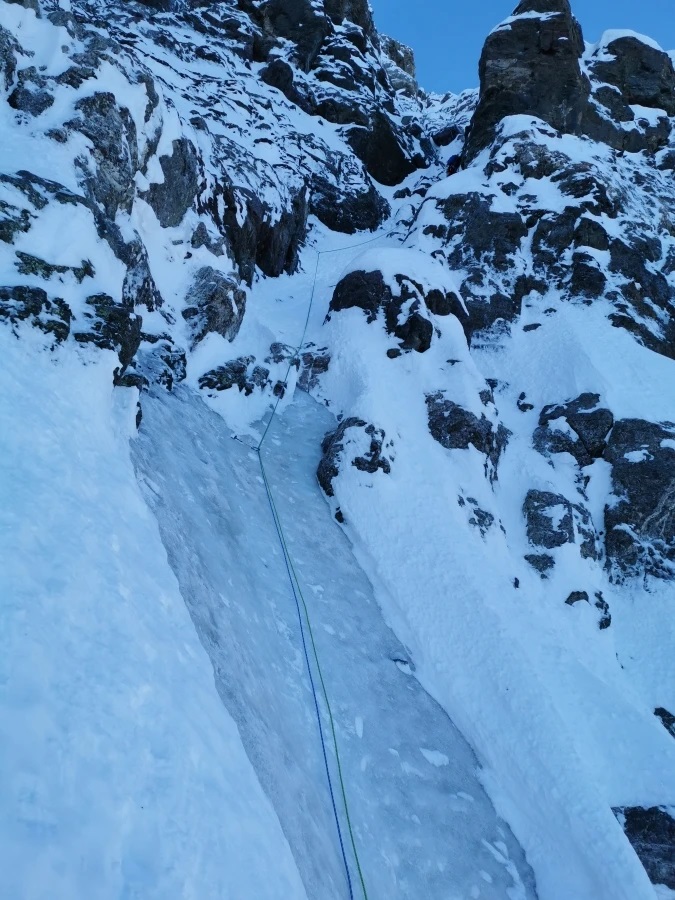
x: 302, y: 610
x: 303, y: 613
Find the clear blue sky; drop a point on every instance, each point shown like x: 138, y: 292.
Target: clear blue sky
x: 448, y: 35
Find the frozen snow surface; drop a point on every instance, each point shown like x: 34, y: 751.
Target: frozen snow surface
x: 121, y: 774
x: 158, y: 732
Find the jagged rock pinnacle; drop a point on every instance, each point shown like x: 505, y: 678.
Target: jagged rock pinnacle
x: 530, y: 65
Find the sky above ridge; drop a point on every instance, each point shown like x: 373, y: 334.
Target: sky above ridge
x: 448, y: 36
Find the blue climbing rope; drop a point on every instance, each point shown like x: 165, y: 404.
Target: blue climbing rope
x: 304, y: 620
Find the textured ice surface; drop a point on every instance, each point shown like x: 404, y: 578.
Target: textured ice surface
x: 424, y: 826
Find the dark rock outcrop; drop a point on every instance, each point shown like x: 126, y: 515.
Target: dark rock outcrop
x: 549, y: 519
x: 667, y: 718
x: 382, y: 150
x: 175, y: 195
x: 553, y: 521
x: 255, y: 235
x: 585, y: 418
x: 346, y: 211
x: 400, y: 66
x: 242, y: 373
x: 456, y: 428
x: 8, y: 50
x: 353, y: 437
x: 540, y: 562
x: 643, y: 75
x: 600, y: 603
x: 313, y: 364
x: 30, y: 95
x: 157, y: 361
x: 652, y: 834
x: 369, y: 291
x: 139, y: 288
x: 110, y: 326
x: 301, y: 23
x: 530, y: 65
x: 640, y: 525
x: 114, y: 152
x: 217, y: 305
x: 20, y: 303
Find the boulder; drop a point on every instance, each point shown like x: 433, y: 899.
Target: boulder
x: 30, y: 94
x: 216, y: 305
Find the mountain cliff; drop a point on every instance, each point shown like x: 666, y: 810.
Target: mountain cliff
x: 338, y: 493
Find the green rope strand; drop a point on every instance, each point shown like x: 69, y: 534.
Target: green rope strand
x: 315, y: 653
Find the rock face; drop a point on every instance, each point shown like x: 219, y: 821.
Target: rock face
x: 641, y: 524
x: 334, y: 43
x: 364, y: 443
x: 175, y: 195
x: 652, y: 834
x: 530, y: 65
x: 300, y: 22
x: 456, y: 428
x: 369, y: 292
x: 643, y: 75
x: 111, y: 326
x: 583, y: 426
x: 552, y: 521
x: 405, y: 309
x: 112, y: 132
x: 400, y: 66
x: 217, y: 305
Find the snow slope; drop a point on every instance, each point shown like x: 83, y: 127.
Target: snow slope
x: 121, y: 775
